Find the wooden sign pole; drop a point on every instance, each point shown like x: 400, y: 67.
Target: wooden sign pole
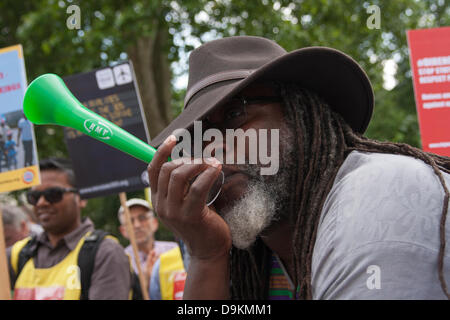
x: 5, y: 290
x: 130, y: 231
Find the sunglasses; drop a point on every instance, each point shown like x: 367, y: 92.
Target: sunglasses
x: 51, y: 195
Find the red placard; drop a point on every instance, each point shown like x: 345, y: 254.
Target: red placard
x: 178, y: 285
x: 430, y: 63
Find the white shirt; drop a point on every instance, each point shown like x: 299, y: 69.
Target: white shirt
x: 26, y: 127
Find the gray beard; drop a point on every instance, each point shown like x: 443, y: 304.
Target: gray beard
x: 264, y: 201
x: 250, y: 215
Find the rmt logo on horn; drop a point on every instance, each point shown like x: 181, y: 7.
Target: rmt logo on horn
x: 98, y: 129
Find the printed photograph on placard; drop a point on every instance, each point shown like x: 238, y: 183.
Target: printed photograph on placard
x: 18, y: 155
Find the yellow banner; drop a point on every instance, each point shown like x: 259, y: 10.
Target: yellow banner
x: 17, y: 47
x: 19, y: 179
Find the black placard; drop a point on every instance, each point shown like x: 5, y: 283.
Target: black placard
x: 113, y: 94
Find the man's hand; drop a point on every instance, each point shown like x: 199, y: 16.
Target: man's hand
x: 182, y: 206
x: 149, y: 263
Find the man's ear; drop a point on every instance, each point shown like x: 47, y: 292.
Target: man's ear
x: 83, y: 203
x: 24, y: 228
x: 155, y: 224
x: 123, y: 231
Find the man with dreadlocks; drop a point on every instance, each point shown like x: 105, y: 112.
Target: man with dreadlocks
x: 344, y: 217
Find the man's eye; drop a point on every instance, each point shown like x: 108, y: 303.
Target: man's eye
x: 233, y: 113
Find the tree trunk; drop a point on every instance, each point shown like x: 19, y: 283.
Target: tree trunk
x: 149, y: 57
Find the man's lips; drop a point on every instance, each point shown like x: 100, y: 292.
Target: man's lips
x: 232, y: 172
x: 234, y: 185
x: 231, y: 175
x: 44, y: 215
x: 139, y: 233
x: 229, y: 171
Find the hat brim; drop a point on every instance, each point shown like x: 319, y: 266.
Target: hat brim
x: 333, y: 75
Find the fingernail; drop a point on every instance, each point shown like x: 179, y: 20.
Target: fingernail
x: 213, y: 162
x: 181, y: 161
x: 170, y: 139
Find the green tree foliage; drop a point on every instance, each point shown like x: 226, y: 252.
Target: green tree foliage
x: 157, y: 36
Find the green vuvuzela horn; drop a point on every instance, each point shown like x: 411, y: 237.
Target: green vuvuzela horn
x: 48, y: 101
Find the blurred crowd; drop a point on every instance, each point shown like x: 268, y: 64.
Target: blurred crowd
x: 55, y: 253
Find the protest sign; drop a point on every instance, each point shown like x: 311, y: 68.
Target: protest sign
x: 18, y: 156
x: 4, y: 273
x: 100, y: 169
x: 430, y: 64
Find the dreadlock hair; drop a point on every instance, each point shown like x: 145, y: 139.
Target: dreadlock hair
x: 324, y: 141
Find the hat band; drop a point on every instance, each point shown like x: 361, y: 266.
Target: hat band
x: 215, y: 78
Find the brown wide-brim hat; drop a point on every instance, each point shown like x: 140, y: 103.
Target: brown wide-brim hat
x: 220, y: 69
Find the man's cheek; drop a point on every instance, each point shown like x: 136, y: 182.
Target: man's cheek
x: 269, y: 151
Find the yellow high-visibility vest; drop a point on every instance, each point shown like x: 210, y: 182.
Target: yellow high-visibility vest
x: 172, y: 274
x: 60, y: 282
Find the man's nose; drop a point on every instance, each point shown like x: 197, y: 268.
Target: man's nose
x: 217, y: 148
x: 42, y: 202
x: 135, y: 223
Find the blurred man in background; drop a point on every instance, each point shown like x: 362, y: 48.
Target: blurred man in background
x: 15, y: 224
x: 70, y: 260
x: 144, y: 225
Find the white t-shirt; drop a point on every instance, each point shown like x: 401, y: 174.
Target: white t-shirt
x: 159, y: 247
x: 378, y: 235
